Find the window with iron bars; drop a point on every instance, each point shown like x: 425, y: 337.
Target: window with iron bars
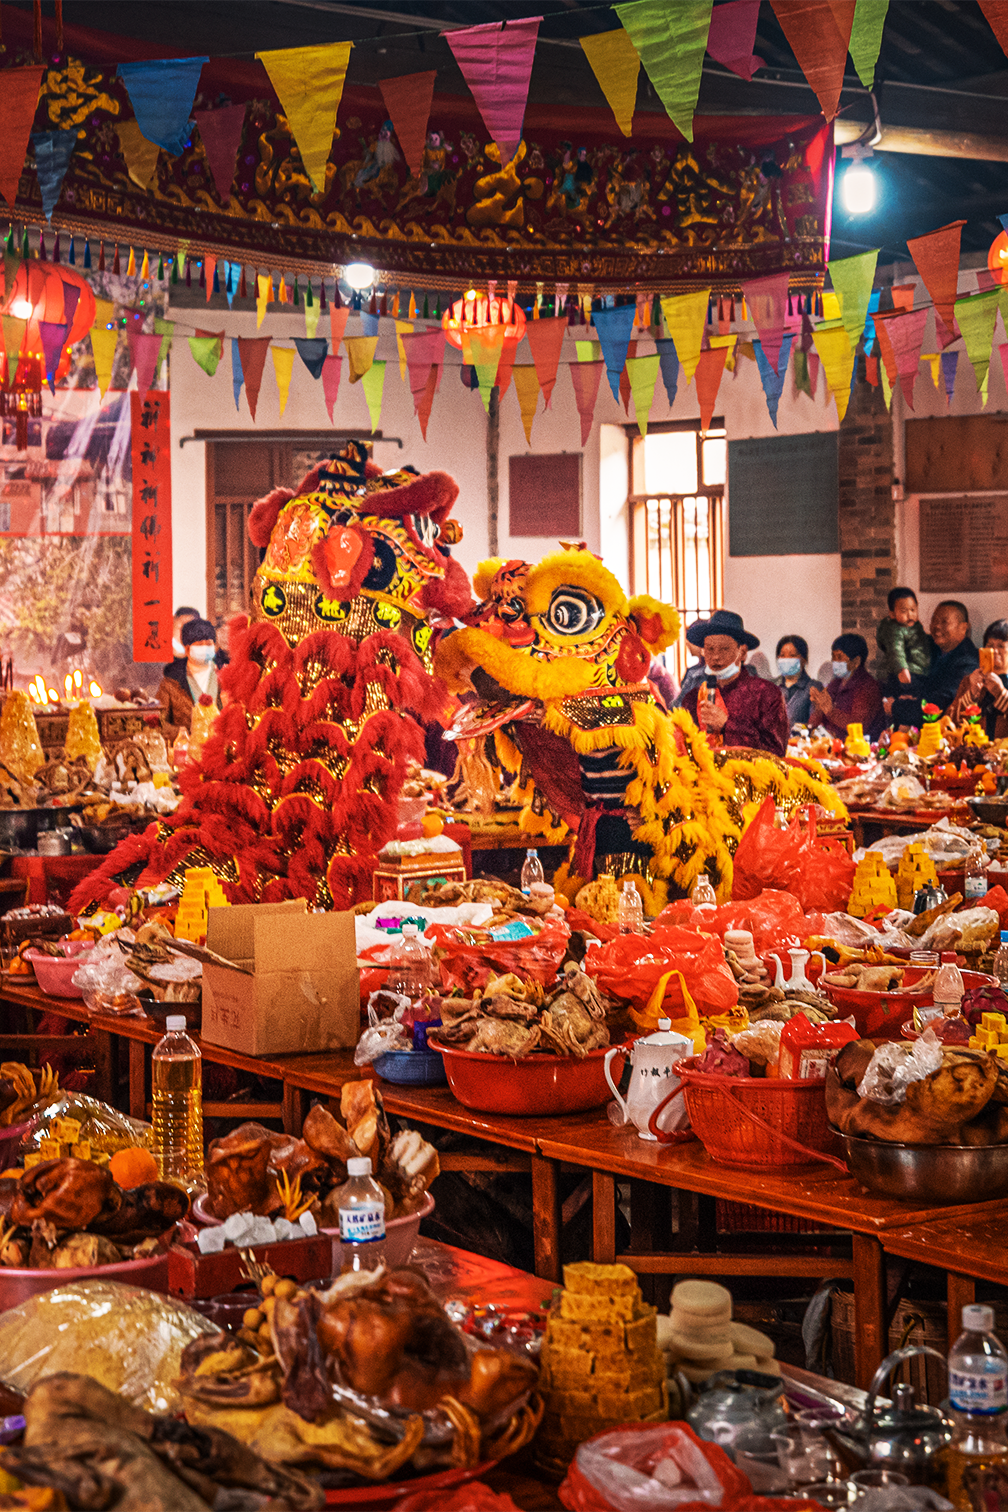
x: 677, y: 521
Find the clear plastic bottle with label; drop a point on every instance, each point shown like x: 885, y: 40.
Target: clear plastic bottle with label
x: 409, y: 965
x: 948, y: 987
x: 978, y: 1399
x: 177, y: 1106
x: 974, y: 876
x: 631, y: 909
x: 531, y: 871
x: 1001, y: 959
x: 702, y: 894
x: 361, y: 1207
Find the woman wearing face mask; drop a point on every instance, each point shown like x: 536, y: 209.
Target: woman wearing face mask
x: 185, y: 682
x: 988, y: 685
x: 794, y: 681
x: 853, y: 696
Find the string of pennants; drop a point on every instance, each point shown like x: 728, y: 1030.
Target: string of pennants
x: 668, y: 41
x: 690, y: 334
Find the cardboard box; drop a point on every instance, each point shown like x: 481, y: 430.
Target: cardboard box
x: 304, y: 993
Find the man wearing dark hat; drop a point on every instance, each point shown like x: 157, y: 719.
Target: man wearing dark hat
x: 185, y: 682
x: 731, y: 703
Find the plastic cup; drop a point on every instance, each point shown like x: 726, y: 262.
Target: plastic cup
x: 877, y: 1480
x: 833, y: 1493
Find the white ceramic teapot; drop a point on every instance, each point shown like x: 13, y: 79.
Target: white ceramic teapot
x: 652, y: 1078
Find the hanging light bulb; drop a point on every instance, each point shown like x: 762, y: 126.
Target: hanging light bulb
x: 359, y: 275
x: 859, y: 189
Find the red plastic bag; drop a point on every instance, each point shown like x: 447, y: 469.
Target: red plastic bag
x: 469, y: 957
x: 578, y: 919
x: 997, y: 899
x: 631, y: 966
x: 474, y: 1496
x: 612, y: 1472
x: 766, y: 856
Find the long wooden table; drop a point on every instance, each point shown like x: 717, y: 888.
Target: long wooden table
x: 967, y: 1243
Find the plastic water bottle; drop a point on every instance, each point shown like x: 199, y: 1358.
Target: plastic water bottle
x: 531, y: 871
x: 978, y: 1398
x: 361, y: 1218
x: 1001, y: 959
x: 949, y: 986
x: 177, y: 1105
x: 631, y: 909
x: 702, y: 894
x: 409, y: 965
x: 974, y: 876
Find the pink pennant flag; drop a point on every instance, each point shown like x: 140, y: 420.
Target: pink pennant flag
x: 144, y: 350
x: 585, y: 377
x: 424, y: 350
x: 906, y: 332
x: 767, y: 300
x: 331, y: 370
x: 496, y: 63
x: 732, y: 36
x: 545, y: 337
x: 424, y: 400
x: 220, y: 131
x: 337, y: 324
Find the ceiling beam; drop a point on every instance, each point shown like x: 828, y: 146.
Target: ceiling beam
x: 920, y: 141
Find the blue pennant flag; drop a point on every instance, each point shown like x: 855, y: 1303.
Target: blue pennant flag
x: 313, y: 352
x: 668, y: 365
x: 614, y: 328
x: 869, y: 330
x: 237, y: 376
x: 1004, y: 222
x: 162, y: 92
x: 773, y: 382
x: 369, y: 323
x: 53, y: 151
x: 949, y: 362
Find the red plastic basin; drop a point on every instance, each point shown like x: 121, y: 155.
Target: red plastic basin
x: 882, y: 1014
x: 543, y: 1085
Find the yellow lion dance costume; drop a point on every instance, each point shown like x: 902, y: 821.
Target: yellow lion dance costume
x: 554, y: 662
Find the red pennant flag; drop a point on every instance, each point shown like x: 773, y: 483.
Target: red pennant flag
x: 331, y: 370
x: 818, y: 32
x: 221, y: 132
x: 732, y: 36
x: 408, y: 102
x: 426, y: 399
x: 708, y: 381
x: 767, y: 300
x: 545, y: 337
x: 424, y: 350
x: 903, y: 296
x: 252, y: 351
x: 936, y: 257
x: 871, y: 369
x: 507, y: 359
x: 625, y: 391
x: 996, y: 15
x: 20, y: 100
x: 585, y: 377
x: 496, y: 63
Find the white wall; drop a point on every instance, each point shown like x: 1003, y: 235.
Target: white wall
x: 775, y: 595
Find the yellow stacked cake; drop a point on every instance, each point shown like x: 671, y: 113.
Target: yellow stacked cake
x: 601, y: 1365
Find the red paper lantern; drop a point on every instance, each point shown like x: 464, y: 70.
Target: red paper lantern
x: 478, y: 312
x: 37, y: 294
x: 997, y: 258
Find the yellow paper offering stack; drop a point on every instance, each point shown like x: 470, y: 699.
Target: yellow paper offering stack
x: 20, y: 748
x: 856, y: 744
x: 201, y: 892
x: 916, y: 870
x: 873, y: 886
x: 930, y: 740
x: 601, y: 1365
x: 82, y: 738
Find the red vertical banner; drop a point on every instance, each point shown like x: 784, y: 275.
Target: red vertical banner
x: 152, y: 526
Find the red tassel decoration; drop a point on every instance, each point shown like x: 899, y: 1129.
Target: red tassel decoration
x: 322, y: 300
x: 56, y: 249
x: 336, y: 299
x: 242, y: 288
x: 384, y: 303
x: 373, y: 306
x: 41, y: 247
x: 101, y: 256
x: 115, y: 259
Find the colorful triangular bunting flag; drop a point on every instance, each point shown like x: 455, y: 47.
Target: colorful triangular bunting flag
x: 614, y: 328
x: 252, y: 353
x: 221, y: 132
x: 732, y: 36
x: 671, y: 40
x: 685, y: 318
x: 331, y: 369
x: 616, y: 64
x: 496, y: 63
x: 53, y: 151
x: 20, y: 101
x: 585, y: 376
x: 866, y: 38
x: 309, y: 85
x: 162, y: 91
x: 408, y: 102
x: 527, y: 388
x: 818, y: 32
x: 772, y: 378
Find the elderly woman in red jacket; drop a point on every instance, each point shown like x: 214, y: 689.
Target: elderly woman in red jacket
x: 853, y: 696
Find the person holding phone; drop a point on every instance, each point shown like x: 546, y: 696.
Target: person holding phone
x: 732, y: 704
x: 987, y: 685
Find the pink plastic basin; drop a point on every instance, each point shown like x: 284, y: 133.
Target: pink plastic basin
x: 54, y: 974
x: 400, y: 1233
x: 18, y: 1285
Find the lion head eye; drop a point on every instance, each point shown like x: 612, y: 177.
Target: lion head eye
x: 572, y: 611
x: 426, y: 529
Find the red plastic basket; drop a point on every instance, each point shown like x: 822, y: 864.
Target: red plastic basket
x: 757, y: 1121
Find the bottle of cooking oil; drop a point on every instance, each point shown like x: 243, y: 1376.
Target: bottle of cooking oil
x: 177, y: 1105
x: 978, y: 1398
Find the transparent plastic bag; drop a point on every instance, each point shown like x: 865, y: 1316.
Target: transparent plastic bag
x: 105, y: 1129
x: 129, y: 1339
x: 384, y: 1032
x: 894, y: 1066
x: 106, y: 973
x: 616, y: 1472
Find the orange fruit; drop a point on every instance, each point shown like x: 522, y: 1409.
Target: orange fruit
x: 431, y: 824
x: 133, y: 1167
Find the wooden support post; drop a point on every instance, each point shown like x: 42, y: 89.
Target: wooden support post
x: 137, y: 1064
x: 960, y: 1291
x: 295, y: 1109
x: 546, y: 1218
x: 603, y: 1218
x: 870, y: 1345
x: 493, y: 469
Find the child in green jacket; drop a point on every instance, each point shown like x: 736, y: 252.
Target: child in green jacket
x: 905, y: 644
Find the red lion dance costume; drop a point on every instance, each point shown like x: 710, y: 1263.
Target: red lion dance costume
x: 296, y: 790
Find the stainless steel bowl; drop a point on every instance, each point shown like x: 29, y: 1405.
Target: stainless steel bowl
x: 929, y: 1173
x: 989, y: 809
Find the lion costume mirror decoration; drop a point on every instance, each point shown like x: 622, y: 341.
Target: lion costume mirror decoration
x: 296, y: 790
x: 553, y: 662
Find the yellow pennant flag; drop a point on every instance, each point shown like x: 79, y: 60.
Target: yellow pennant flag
x: 685, y: 318
x: 104, y: 342
x: 615, y: 63
x: 933, y: 359
x: 374, y: 387
x: 832, y: 305
x: 526, y: 384
x: 360, y: 350
x: 311, y: 318
x: 402, y: 328
x: 837, y: 357
x: 729, y: 342
x: 886, y: 385
x: 140, y: 155
x: 309, y: 84
x: 264, y: 293
x: 283, y: 366
x: 642, y: 372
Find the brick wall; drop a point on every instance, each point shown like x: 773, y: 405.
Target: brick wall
x: 867, y: 513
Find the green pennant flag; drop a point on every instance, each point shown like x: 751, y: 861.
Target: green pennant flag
x: 852, y: 282
x: 976, y: 315
x: 671, y: 41
x: 866, y: 38
x: 588, y: 351
x: 166, y: 330
x: 800, y: 372
x: 373, y: 384
x: 487, y: 345
x: 642, y: 372
x: 206, y: 352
